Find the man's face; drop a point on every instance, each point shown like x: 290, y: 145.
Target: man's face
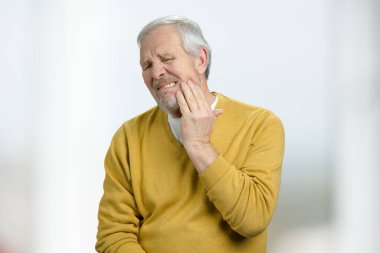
x: 165, y: 65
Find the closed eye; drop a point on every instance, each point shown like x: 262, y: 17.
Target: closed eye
x: 167, y: 59
x: 148, y: 66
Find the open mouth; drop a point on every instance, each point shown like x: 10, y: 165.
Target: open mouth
x: 169, y: 85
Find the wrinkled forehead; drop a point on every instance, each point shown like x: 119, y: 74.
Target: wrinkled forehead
x: 163, y: 39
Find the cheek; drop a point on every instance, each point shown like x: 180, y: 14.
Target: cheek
x: 146, y: 78
x: 179, y: 70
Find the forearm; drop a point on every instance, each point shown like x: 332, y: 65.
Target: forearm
x: 246, y: 203
x: 245, y: 192
x: 245, y: 195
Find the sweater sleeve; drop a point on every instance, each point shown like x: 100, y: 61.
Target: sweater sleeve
x: 246, y: 196
x: 119, y: 218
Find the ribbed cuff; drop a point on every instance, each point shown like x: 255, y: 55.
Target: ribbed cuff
x: 212, y: 175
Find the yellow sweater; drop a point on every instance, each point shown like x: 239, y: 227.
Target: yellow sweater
x: 155, y: 201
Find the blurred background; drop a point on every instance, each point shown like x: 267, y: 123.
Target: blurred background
x: 70, y: 76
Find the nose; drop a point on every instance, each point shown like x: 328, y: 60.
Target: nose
x: 158, y: 71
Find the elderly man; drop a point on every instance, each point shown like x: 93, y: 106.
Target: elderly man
x: 184, y: 176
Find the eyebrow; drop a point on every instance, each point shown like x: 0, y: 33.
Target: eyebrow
x: 160, y: 56
x: 165, y: 55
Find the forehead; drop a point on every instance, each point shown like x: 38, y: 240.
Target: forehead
x: 163, y: 39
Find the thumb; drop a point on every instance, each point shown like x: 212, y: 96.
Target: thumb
x: 217, y: 112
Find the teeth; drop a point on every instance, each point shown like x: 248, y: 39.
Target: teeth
x: 169, y: 85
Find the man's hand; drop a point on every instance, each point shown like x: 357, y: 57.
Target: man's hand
x: 197, y: 123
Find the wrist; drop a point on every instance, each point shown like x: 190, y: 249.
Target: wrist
x: 195, y: 145
x: 201, y: 154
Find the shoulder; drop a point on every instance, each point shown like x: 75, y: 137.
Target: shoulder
x: 245, y: 113
x: 133, y: 126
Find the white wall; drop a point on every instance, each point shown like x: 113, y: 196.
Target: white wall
x: 69, y: 76
x: 357, y: 64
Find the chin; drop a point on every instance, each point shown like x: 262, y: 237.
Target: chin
x: 173, y: 109
x: 168, y: 104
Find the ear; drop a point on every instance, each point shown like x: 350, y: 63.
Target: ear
x: 202, y: 60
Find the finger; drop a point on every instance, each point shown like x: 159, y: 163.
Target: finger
x: 182, y: 102
x: 218, y: 112
x: 189, y: 96
x: 199, y: 96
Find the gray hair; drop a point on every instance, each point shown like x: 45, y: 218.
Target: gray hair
x: 190, y: 33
